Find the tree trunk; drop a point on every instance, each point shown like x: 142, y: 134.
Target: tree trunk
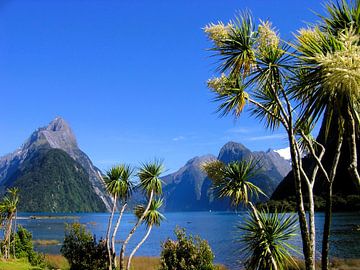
x: 312, y: 232
x: 7, y: 236
x: 353, y: 151
x: 137, y: 224
x: 15, y: 228
x: 108, y: 233
x: 328, y: 207
x: 115, y: 231
x: 296, y: 164
x: 137, y: 247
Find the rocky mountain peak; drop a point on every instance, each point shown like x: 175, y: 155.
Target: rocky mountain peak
x: 58, y: 124
x: 233, y: 151
x: 59, y: 134
x: 197, y: 161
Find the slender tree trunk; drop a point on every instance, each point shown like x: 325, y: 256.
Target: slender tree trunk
x: 353, y: 151
x: 296, y: 164
x: 7, y: 236
x: 312, y: 232
x: 328, y: 207
x: 137, y: 224
x: 15, y: 229
x: 115, y: 231
x: 108, y: 233
x: 137, y: 247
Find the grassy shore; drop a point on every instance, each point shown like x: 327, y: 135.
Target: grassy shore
x: 145, y: 263
x: 139, y: 263
x: 59, y: 262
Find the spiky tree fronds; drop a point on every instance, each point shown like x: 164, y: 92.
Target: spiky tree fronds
x: 149, y: 175
x: 153, y: 216
x: 118, y: 181
x: 233, y: 180
x: 266, y: 238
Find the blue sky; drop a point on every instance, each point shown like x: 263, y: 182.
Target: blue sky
x: 129, y: 76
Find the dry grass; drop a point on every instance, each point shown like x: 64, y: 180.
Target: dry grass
x: 56, y: 262
x: 345, y: 264
x: 145, y: 263
x: 138, y: 263
x: 335, y: 264
x: 153, y: 263
x: 41, y: 242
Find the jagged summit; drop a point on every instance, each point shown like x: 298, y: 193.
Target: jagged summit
x: 57, y: 135
x: 200, y: 159
x: 58, y: 124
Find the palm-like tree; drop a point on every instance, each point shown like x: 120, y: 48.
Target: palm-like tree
x: 233, y: 181
x: 123, y: 196
x: 268, y: 243
x: 118, y: 184
x: 257, y: 69
x: 329, y: 61
x: 150, y: 184
x: 8, y: 208
x: 152, y: 217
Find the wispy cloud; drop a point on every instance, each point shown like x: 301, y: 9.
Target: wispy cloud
x: 178, y: 138
x: 267, y: 137
x: 239, y: 130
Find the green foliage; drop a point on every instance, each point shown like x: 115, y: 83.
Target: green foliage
x: 232, y: 180
x: 265, y: 238
x: 51, y: 181
x: 341, y: 203
x: 149, y: 175
x: 153, y: 215
x: 82, y: 250
x: 118, y: 182
x: 24, y: 248
x: 186, y: 253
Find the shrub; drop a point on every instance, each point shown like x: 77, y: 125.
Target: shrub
x: 186, y: 253
x: 82, y: 250
x: 24, y: 248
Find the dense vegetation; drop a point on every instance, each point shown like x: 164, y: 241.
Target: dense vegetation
x: 186, y: 253
x: 82, y: 250
x: 341, y: 203
x: 24, y: 248
x: 51, y: 181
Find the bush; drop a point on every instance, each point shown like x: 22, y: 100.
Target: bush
x: 186, y: 253
x: 24, y: 248
x: 82, y: 250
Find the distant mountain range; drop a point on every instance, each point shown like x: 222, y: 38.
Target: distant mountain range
x: 54, y: 175
x: 188, y: 189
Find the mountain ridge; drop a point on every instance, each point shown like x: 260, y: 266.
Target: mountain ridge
x: 56, y: 135
x: 189, y: 189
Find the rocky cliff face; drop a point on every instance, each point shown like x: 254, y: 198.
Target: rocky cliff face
x: 57, y: 135
x: 188, y: 189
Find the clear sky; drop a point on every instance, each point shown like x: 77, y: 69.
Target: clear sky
x: 128, y: 76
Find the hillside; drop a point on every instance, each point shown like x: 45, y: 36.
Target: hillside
x: 53, y: 174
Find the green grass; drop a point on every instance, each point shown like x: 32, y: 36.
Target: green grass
x: 20, y: 264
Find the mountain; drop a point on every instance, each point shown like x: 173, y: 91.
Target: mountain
x: 189, y: 189
x: 343, y: 184
x: 183, y: 189
x: 51, y: 158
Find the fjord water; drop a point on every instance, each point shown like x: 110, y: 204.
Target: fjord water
x: 218, y: 228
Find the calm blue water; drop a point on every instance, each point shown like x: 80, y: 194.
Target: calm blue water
x: 219, y: 228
